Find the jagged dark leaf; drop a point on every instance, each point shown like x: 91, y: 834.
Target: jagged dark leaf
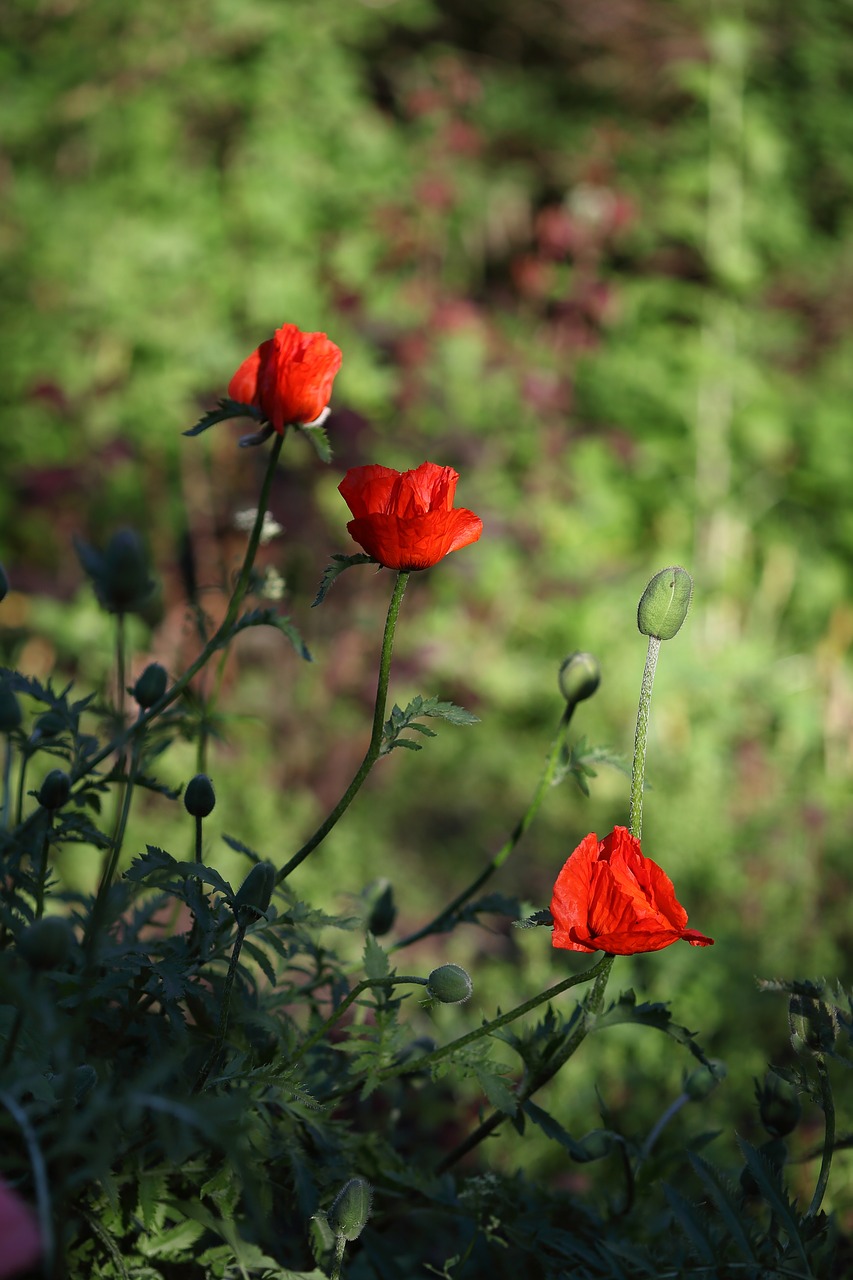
x: 225, y: 409
x: 338, y: 564
x: 318, y: 439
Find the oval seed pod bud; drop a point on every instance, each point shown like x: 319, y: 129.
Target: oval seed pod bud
x: 125, y: 584
x: 449, y: 984
x: 580, y: 676
x: 10, y: 708
x: 351, y: 1209
x: 381, y: 907
x: 151, y: 685
x: 664, y: 603
x: 704, y: 1080
x: 778, y: 1105
x: 199, y: 797
x: 55, y: 790
x: 47, y: 943
x: 253, y: 897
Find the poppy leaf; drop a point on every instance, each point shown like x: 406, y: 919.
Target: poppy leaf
x: 338, y: 565
x: 225, y: 410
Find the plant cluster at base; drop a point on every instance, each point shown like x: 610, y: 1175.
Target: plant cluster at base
x: 200, y: 1078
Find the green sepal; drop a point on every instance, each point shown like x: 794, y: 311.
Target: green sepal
x: 226, y: 409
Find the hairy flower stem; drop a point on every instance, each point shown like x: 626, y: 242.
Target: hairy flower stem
x: 590, y: 1008
x: 340, y: 1250
x: 428, y: 1059
x: 828, y: 1135
x: 638, y: 768
x: 350, y: 999
x: 213, y: 1057
x: 445, y: 918
x: 216, y: 641
x: 375, y: 744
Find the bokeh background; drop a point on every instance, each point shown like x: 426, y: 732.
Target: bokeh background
x: 599, y: 258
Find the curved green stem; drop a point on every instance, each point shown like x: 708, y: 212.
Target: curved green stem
x: 828, y: 1136
x: 6, y: 810
x: 219, y: 637
x: 375, y: 744
x: 428, y: 1059
x: 213, y: 1056
x: 444, y: 920
x: 638, y: 767
x: 114, y: 852
x: 591, y: 1006
x: 345, y: 1004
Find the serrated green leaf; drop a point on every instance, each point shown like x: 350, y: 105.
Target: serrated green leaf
x: 268, y: 618
x: 687, y: 1218
x: 375, y: 959
x: 225, y: 410
x: 318, y: 438
x: 552, y: 1128
x: 726, y: 1199
x: 497, y: 1090
x: 334, y: 570
x: 765, y: 1176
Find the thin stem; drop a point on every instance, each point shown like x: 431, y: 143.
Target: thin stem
x: 112, y: 857
x: 638, y: 767
x: 213, y: 1057
x: 43, y: 868
x: 25, y: 759
x: 444, y: 920
x: 218, y: 638
x: 828, y: 1135
x: 121, y: 665
x: 428, y: 1059
x: 659, y: 1126
x: 375, y: 745
x: 340, y: 1249
x: 591, y: 1006
x: 6, y: 811
x: 198, y: 822
x: 345, y: 1004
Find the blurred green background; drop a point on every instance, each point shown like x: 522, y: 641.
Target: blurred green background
x: 596, y: 256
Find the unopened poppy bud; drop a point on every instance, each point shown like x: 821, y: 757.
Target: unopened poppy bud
x: 4, y: 583
x: 778, y: 1105
x: 449, y: 984
x: 253, y: 897
x: 199, y: 798
x: 10, y: 709
x: 55, y: 790
x: 83, y: 1081
x: 664, y: 603
x: 580, y: 676
x: 595, y: 1146
x: 704, y: 1080
x: 47, y: 943
x: 151, y: 685
x: 351, y: 1209
x: 381, y: 907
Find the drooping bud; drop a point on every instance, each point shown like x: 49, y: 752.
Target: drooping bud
x: 55, y: 790
x: 253, y: 897
x: 199, y: 797
x: 449, y: 984
x: 580, y: 676
x: 664, y: 603
x: 704, y: 1080
x: 381, y: 907
x: 47, y: 943
x: 778, y: 1105
x: 10, y: 708
x: 151, y: 685
x: 351, y: 1209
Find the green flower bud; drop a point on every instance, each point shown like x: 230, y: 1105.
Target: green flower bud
x: 778, y: 1105
x: 253, y: 897
x: 704, y: 1080
x: 47, y: 943
x: 381, y: 907
x: 199, y: 798
x: 55, y: 790
x: 351, y: 1209
x: 664, y: 603
x: 4, y: 584
x: 449, y: 984
x: 10, y: 708
x: 595, y: 1146
x: 151, y: 685
x: 119, y: 574
x: 580, y: 676
x: 83, y: 1082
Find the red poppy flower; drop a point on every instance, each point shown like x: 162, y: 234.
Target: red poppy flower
x: 289, y: 377
x: 406, y: 519
x: 609, y: 897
